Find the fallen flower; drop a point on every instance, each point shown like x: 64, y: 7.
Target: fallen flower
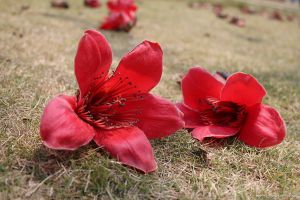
x: 119, y: 21
x: 237, y: 21
x: 231, y: 108
x: 121, y: 6
x: 115, y: 111
x: 122, y: 15
x: 92, y: 3
x: 217, y: 8
x: 276, y: 16
x: 60, y: 4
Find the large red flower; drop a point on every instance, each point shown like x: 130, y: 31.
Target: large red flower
x: 219, y: 109
x: 116, y: 111
x: 122, y: 15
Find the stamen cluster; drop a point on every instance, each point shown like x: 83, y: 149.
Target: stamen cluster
x: 222, y: 113
x: 101, y: 107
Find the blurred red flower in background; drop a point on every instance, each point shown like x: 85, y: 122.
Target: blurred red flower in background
x: 221, y: 109
x: 92, y: 3
x: 121, y: 5
x: 276, y: 15
x: 122, y: 15
x: 237, y: 21
x: 116, y: 111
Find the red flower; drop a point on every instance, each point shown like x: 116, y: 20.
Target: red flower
x: 116, y: 111
x: 237, y: 21
x: 122, y: 15
x: 276, y: 16
x: 121, y: 6
x: 217, y: 8
x: 233, y: 108
x: 92, y: 3
x: 60, y: 4
x: 119, y: 21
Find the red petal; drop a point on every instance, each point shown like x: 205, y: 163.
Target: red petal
x: 191, y: 117
x: 93, y: 60
x: 202, y: 132
x: 142, y: 66
x: 157, y: 117
x: 264, y: 127
x: 199, y: 84
x: 61, y: 128
x: 130, y: 146
x: 243, y: 89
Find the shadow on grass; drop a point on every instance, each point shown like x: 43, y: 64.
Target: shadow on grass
x: 181, y: 148
x: 88, y: 170
x: 46, y: 161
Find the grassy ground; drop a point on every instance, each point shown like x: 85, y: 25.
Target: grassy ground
x: 37, y: 47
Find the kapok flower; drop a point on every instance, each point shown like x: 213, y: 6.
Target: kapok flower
x: 122, y: 15
x: 237, y: 21
x: 217, y: 108
x: 276, y: 15
x: 92, y: 3
x: 121, y: 6
x: 116, y: 111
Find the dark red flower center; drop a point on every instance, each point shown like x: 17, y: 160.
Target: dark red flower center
x: 105, y: 105
x: 222, y: 113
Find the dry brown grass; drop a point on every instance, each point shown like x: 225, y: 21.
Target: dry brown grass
x: 37, y: 47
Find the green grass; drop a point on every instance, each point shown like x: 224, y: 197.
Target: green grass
x: 38, y: 46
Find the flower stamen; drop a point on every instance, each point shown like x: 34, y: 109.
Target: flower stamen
x: 101, y: 107
x: 222, y: 113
